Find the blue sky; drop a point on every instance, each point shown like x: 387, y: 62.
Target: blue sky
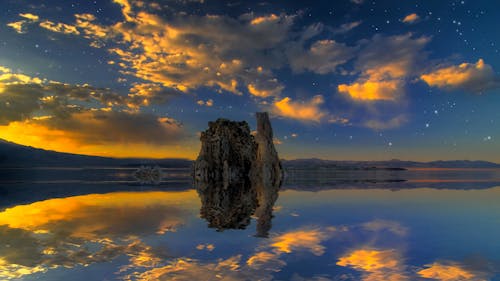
x: 361, y: 80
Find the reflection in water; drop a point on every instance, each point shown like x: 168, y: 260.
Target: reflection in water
x: 157, y: 236
x: 232, y: 208
x: 88, y: 229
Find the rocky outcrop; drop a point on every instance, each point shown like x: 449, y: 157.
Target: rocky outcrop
x: 268, y: 174
x: 222, y: 174
x: 236, y: 174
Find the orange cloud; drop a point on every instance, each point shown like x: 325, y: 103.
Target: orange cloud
x: 308, y: 239
x: 18, y: 26
x: 59, y: 27
x: 384, y: 65
x: 376, y: 264
x: 265, y: 92
x: 265, y: 259
x: 54, y: 233
x: 264, y: 19
x: 443, y: 272
x: 29, y: 16
x: 41, y: 134
x: 304, y: 111
x: 411, y: 18
x: 208, y: 103
x: 472, y: 77
x: 87, y: 120
x: 372, y: 90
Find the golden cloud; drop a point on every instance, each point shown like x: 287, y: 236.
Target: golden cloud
x: 449, y: 272
x: 265, y: 92
x: 186, y: 53
x: 304, y: 111
x: 185, y: 269
x: 376, y: 264
x: 59, y: 27
x: 29, y: 16
x: 85, y: 119
x: 53, y: 233
x: 384, y: 64
x: 474, y: 77
x: 411, y: 18
x: 372, y: 90
x: 209, y: 102
x: 264, y: 19
x: 18, y: 26
x: 306, y: 239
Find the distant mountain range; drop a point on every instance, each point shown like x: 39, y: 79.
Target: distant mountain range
x: 14, y: 155
x: 390, y: 164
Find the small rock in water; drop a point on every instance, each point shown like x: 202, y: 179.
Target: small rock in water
x: 148, y: 175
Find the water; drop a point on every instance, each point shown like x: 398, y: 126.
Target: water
x: 397, y: 225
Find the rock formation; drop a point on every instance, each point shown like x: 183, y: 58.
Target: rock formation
x: 236, y: 174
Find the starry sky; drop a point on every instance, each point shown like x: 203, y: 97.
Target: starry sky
x: 344, y: 80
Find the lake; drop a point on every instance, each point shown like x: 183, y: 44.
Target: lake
x: 99, y: 224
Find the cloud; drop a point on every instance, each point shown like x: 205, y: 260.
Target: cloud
x: 376, y: 264
x: 322, y: 57
x: 265, y: 261
x: 106, y: 127
x: 18, y: 26
x: 29, y: 16
x: 397, y: 54
x: 265, y: 89
x: 264, y: 19
x: 380, y: 225
x: 449, y: 272
x: 372, y: 90
x: 184, y: 269
x: 260, y: 265
x: 304, y: 239
x: 384, y: 65
x: 308, y: 111
x: 186, y: 53
x: 72, y: 116
x: 394, y: 122
x: 411, y: 18
x: 473, y: 77
x: 59, y: 27
x: 54, y: 233
x: 346, y: 27
x: 209, y: 102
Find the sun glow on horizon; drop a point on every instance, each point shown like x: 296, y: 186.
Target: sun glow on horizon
x: 38, y: 136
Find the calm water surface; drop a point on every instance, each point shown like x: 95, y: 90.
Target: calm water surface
x: 111, y: 230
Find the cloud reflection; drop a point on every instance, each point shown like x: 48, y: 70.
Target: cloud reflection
x: 87, y: 229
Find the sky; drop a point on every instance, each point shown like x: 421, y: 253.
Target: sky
x: 343, y: 80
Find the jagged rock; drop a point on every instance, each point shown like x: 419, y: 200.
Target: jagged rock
x: 268, y: 174
x: 222, y: 174
x: 237, y: 175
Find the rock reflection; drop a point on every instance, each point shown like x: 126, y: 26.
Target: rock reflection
x: 232, y: 208
x: 238, y: 175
